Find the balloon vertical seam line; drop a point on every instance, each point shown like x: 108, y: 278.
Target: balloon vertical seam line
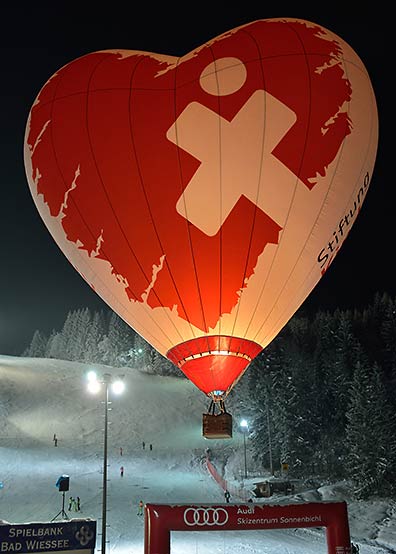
x: 70, y: 198
x: 312, y: 271
x: 220, y: 191
x: 351, y: 198
x: 285, y: 225
x: 52, y: 103
x: 88, y: 93
x: 347, y: 202
x: 159, y: 327
x: 307, y: 64
x: 187, y: 224
x: 242, y: 286
x: 260, y: 57
x: 131, y: 89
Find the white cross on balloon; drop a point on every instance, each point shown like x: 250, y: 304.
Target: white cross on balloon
x: 236, y: 156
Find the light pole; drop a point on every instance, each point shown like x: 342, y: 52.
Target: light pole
x: 245, y: 429
x: 94, y: 386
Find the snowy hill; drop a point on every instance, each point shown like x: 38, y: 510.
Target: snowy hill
x: 40, y: 398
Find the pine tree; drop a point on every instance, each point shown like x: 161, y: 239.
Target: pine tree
x: 340, y: 351
x: 68, y: 332
x: 55, y: 346
x: 140, y: 355
x: 388, y: 334
x: 159, y: 365
x: 120, y: 337
x: 284, y: 423
x: 94, y: 336
x: 300, y: 418
x: 251, y: 400
x: 370, y: 433
x: 367, y: 327
x: 83, y: 322
x: 37, y: 347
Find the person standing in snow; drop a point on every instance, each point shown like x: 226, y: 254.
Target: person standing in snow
x: 78, y: 504
x: 140, y: 508
x: 122, y: 471
x: 71, y: 502
x: 227, y: 496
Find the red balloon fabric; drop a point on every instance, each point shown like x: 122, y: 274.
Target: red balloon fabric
x: 204, y: 197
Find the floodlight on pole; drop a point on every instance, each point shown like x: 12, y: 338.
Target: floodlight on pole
x: 117, y: 386
x: 245, y: 429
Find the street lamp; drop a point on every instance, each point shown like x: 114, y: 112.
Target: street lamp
x: 245, y: 429
x: 94, y: 386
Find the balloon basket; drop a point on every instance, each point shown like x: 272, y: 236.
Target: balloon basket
x: 217, y: 426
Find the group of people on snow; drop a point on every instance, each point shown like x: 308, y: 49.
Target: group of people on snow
x: 74, y: 504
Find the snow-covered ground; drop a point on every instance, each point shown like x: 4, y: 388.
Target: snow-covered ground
x: 40, y: 398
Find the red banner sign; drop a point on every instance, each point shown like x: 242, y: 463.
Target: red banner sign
x: 161, y: 519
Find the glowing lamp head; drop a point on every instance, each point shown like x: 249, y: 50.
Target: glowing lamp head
x: 93, y: 385
x: 118, y: 386
x: 244, y: 425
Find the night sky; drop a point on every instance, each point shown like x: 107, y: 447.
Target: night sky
x: 38, y: 286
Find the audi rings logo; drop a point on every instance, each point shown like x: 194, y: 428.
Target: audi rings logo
x: 205, y: 516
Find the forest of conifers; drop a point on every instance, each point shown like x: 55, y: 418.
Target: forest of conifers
x: 320, y: 398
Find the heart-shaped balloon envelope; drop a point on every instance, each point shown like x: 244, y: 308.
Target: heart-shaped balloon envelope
x: 203, y: 197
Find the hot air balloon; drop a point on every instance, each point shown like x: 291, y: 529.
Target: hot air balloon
x: 203, y: 197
